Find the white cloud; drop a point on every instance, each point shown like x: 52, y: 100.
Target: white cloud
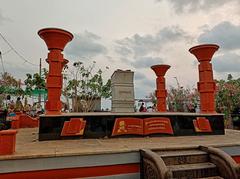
x: 3, y: 18
x: 138, y: 75
x: 146, y: 62
x: 181, y: 6
x: 142, y: 45
x: 86, y: 44
x: 224, y: 34
x: 229, y: 62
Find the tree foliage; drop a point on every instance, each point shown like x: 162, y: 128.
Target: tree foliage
x: 8, y: 80
x: 35, y: 82
x: 182, y: 99
x: 228, y: 97
x: 9, y: 86
x: 84, y: 85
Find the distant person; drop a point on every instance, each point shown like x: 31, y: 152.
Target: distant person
x: 34, y: 109
x: 142, y: 108
x: 154, y: 108
x: 38, y: 109
x: 27, y: 109
x: 4, y: 124
x: 11, y: 107
x: 18, y: 105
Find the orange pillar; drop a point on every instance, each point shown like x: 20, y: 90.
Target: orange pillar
x: 161, y: 92
x: 7, y: 141
x: 56, y: 40
x: 206, y: 84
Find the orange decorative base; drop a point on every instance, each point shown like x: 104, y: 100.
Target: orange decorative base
x: 236, y: 159
x: 7, y: 142
x: 74, y: 127
x: 201, y: 124
x: 53, y: 113
x: 76, y: 172
x: 23, y: 121
x: 28, y: 122
x: 139, y: 126
x: 15, y: 122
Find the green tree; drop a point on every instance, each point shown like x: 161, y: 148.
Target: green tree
x: 85, y: 86
x: 228, y: 97
x: 35, y: 82
x: 9, y: 85
x: 182, y: 99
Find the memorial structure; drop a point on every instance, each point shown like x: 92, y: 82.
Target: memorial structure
x: 122, y: 91
x: 122, y: 120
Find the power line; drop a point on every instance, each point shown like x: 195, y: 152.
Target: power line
x: 16, y: 52
x: 7, y: 52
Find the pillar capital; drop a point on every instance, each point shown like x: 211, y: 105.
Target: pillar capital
x: 160, y: 70
x: 204, y: 52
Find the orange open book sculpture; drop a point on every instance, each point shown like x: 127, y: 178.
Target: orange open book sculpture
x: 201, y: 124
x: 73, y: 127
x: 152, y: 125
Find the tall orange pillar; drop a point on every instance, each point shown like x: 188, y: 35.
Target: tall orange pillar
x: 56, y: 40
x: 161, y: 92
x: 206, y: 84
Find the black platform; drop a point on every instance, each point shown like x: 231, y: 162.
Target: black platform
x: 100, y: 124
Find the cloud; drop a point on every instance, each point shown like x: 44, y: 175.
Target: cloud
x: 143, y: 86
x: 3, y: 18
x: 181, y: 6
x: 224, y: 34
x: 139, y: 76
x: 149, y: 83
x: 142, y: 45
x: 86, y: 44
x: 19, y: 70
x: 229, y: 62
x: 146, y: 62
x: 140, y: 79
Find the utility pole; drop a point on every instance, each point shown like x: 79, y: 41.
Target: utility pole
x: 40, y: 68
x: 40, y: 74
x: 177, y: 82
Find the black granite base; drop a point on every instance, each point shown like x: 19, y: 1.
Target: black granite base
x: 100, y: 125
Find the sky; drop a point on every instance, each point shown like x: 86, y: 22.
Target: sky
x: 125, y: 34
